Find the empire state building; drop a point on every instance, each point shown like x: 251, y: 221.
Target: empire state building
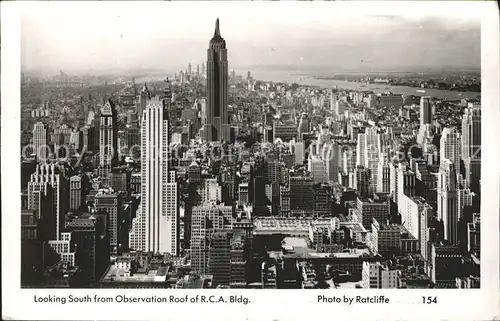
x: 216, y: 126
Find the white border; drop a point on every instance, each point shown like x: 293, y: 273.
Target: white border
x: 272, y: 304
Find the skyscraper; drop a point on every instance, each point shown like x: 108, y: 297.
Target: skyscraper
x: 471, y: 145
x: 301, y: 195
x: 216, y: 127
x: 450, y: 146
x: 447, y: 200
x: 317, y: 168
x: 206, y: 220
x: 108, y: 141
x: 47, y: 184
x: 304, y: 124
x: 425, y: 111
x: 40, y: 141
x: 156, y: 225
x: 383, y: 175
x: 370, y: 145
x: 110, y: 205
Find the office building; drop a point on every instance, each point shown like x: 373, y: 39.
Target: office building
x: 40, y: 142
x: 471, y: 132
x: 301, y: 195
x: 369, y: 209
x: 304, y: 124
x: 216, y: 127
x: 108, y: 141
x: 322, y: 199
x: 194, y: 173
x: 298, y: 150
x: 77, y: 190
x: 450, y: 146
x: 61, y: 139
x: 377, y: 276
x: 142, y: 100
x: 220, y: 258
x: 411, y: 212
x: 471, y: 145
x: 156, y: 227
x: 332, y: 159
x: 92, y: 246
x: 348, y: 160
x: 369, y: 147
x: 317, y: 168
x: 30, y: 225
x: 76, y: 142
x: 383, y: 176
x: 361, y: 181
x: 474, y: 234
x: 445, y: 265
x: 385, y: 238
x: 286, y: 132
x: 211, y: 190
x: 206, y: 219
x: 284, y: 202
x: 425, y: 111
x: 66, y: 248
x: 48, y: 193
x: 426, y: 185
x: 110, y: 205
x: 447, y: 203
x: 406, y: 184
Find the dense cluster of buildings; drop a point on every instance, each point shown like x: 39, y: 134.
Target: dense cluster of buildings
x: 209, y: 179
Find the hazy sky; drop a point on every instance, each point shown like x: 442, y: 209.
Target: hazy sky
x: 133, y: 35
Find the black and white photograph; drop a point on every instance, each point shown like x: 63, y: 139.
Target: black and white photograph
x: 192, y: 146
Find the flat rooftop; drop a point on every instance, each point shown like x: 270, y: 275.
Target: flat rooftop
x: 295, y: 242
x: 288, y: 223
x: 352, y: 254
x: 390, y: 227
x: 354, y: 226
x: 115, y: 274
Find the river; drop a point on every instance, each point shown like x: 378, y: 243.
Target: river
x: 305, y: 79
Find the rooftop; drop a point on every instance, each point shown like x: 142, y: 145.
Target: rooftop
x: 295, y: 242
x: 354, y: 226
x: 273, y: 223
x: 115, y: 274
x: 351, y: 254
x: 390, y: 227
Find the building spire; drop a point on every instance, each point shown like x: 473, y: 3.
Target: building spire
x: 217, y: 31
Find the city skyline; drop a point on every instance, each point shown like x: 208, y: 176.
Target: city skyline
x: 254, y: 197
x: 359, y: 42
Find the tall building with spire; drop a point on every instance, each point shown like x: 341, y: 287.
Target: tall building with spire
x: 425, y: 111
x: 108, y: 141
x: 216, y: 127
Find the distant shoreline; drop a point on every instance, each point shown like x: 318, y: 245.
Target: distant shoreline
x: 382, y: 84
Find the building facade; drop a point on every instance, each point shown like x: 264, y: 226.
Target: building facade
x: 216, y: 127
